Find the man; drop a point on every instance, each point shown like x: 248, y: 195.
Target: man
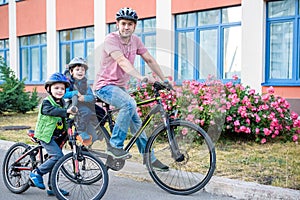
x: 116, y: 67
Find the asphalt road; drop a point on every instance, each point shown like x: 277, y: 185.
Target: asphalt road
x: 119, y: 188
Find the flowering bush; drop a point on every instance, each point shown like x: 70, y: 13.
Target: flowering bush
x: 230, y: 109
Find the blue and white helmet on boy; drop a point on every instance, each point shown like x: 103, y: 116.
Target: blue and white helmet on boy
x: 56, y: 78
x: 78, y: 61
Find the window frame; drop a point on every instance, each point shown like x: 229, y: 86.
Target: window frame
x: 5, y: 51
x: 139, y: 63
x: 295, y: 19
x: 29, y: 48
x: 196, y: 29
x: 71, y: 42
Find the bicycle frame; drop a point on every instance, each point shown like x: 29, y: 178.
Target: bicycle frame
x: 32, y: 153
x: 38, y: 150
x: 158, y: 108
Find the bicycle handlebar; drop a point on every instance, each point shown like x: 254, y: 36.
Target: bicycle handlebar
x: 74, y: 103
x: 161, y: 86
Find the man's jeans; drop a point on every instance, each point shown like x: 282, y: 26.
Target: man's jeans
x: 127, y: 117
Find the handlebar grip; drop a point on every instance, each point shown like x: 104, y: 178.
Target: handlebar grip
x: 73, y: 109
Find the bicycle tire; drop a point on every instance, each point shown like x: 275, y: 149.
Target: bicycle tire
x: 87, y: 184
x: 193, y: 172
x: 17, y: 181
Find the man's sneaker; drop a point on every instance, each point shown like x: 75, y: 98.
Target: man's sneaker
x: 37, y: 180
x: 160, y: 166
x: 117, y: 153
x: 64, y: 192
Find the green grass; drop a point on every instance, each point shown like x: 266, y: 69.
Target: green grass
x: 270, y: 164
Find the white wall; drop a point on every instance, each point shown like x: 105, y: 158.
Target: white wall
x: 52, y: 38
x: 253, y: 40
x: 13, y: 44
x: 164, y: 36
x: 99, y: 31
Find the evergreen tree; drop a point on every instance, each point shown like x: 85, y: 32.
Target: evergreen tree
x: 13, y: 97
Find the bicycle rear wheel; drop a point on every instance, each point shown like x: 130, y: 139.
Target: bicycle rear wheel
x: 190, y: 173
x: 89, y: 183
x: 15, y: 175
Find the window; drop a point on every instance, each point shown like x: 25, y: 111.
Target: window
x: 208, y: 43
x: 77, y: 42
x: 146, y: 31
x: 4, y: 50
x: 282, y: 45
x: 2, y: 2
x: 33, y: 58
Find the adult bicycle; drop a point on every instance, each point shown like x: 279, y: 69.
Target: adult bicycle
x: 185, y: 147
x: 79, y: 172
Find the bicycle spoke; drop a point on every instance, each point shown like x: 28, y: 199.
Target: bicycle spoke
x: 190, y: 174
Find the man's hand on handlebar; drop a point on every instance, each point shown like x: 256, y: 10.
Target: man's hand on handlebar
x: 147, y: 79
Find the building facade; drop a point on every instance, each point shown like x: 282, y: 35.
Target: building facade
x: 257, y: 40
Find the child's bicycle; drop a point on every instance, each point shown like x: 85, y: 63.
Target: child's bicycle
x: 185, y: 147
x: 79, y: 172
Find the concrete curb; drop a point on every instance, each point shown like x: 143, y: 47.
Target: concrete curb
x: 223, y: 186
x: 220, y: 186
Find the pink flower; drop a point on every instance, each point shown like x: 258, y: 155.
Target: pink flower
x: 184, y: 131
x: 235, y: 77
x: 228, y: 118
x: 248, y: 121
x: 251, y: 92
x: 232, y: 90
x: 190, y: 117
x: 202, y: 122
x: 263, y: 141
x: 228, y: 84
x: 266, y: 97
x: 295, y: 138
x: 267, y: 131
x: 200, y: 108
x: 243, y: 128
x: 236, y: 123
x: 257, y: 130
x: 270, y: 90
x: 294, y: 115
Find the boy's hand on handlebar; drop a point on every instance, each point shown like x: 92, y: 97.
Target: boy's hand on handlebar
x: 72, y: 110
x: 80, y: 97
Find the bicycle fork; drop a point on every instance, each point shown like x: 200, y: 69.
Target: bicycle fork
x: 176, y: 154
x: 74, y: 150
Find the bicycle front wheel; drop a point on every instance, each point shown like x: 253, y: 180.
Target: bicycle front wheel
x: 192, y: 171
x: 88, y: 183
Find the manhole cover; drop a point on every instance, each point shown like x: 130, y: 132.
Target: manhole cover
x: 14, y: 127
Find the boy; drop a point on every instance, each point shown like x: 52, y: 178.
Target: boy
x: 86, y: 100
x: 51, y: 128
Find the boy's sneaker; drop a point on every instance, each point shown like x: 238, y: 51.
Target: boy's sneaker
x: 84, y: 136
x: 84, y: 139
x: 117, y: 153
x: 64, y: 192
x: 160, y: 166
x: 37, y: 180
